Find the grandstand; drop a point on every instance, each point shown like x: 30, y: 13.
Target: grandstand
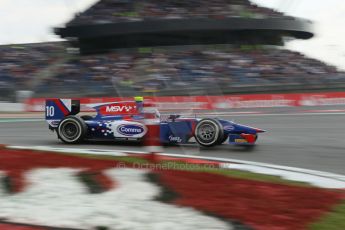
x: 168, y: 47
x: 22, y: 65
x: 189, y: 70
x: 111, y: 24
x: 114, y: 11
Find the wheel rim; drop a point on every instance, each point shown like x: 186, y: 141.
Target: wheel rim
x: 70, y: 130
x: 207, y: 132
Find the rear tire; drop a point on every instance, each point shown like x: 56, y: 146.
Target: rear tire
x: 208, y: 132
x: 72, y: 130
x: 86, y: 117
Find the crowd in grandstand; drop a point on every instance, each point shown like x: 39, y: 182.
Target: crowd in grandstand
x: 20, y: 63
x: 150, y: 70
x: 155, y: 70
x: 113, y: 11
x: 48, y: 70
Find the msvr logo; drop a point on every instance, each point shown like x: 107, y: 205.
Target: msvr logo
x: 117, y: 108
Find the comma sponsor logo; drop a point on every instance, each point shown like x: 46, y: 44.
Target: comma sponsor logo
x: 130, y: 130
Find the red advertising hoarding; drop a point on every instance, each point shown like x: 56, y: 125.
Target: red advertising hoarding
x: 217, y: 102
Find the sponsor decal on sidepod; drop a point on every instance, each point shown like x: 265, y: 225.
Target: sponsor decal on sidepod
x: 118, y: 108
x: 130, y: 130
x: 175, y: 139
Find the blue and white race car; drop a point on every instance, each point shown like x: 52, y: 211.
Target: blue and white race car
x: 129, y: 120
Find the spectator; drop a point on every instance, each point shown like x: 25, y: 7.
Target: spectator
x: 113, y: 11
x: 175, y: 69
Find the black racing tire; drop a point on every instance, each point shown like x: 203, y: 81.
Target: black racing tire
x: 225, y: 137
x: 72, y: 130
x: 208, y: 132
x: 86, y: 117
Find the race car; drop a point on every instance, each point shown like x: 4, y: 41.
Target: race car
x: 131, y: 121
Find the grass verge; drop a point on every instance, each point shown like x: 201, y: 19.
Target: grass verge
x: 334, y: 220
x: 236, y: 173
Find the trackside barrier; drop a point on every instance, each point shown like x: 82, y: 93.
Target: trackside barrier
x: 216, y: 102
x: 11, y: 107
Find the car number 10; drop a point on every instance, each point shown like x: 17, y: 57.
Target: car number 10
x: 50, y: 111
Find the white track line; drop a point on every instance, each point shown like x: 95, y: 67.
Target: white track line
x: 17, y: 120
x: 102, y: 152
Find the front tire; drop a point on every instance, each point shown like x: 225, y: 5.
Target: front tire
x: 225, y: 137
x: 208, y: 132
x: 72, y: 130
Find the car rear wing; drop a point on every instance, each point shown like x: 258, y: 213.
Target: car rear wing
x: 57, y: 109
x: 116, y: 108
x: 121, y: 108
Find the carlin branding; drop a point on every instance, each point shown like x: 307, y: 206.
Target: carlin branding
x: 55, y: 123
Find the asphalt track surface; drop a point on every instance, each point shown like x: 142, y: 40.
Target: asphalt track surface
x: 311, y: 141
